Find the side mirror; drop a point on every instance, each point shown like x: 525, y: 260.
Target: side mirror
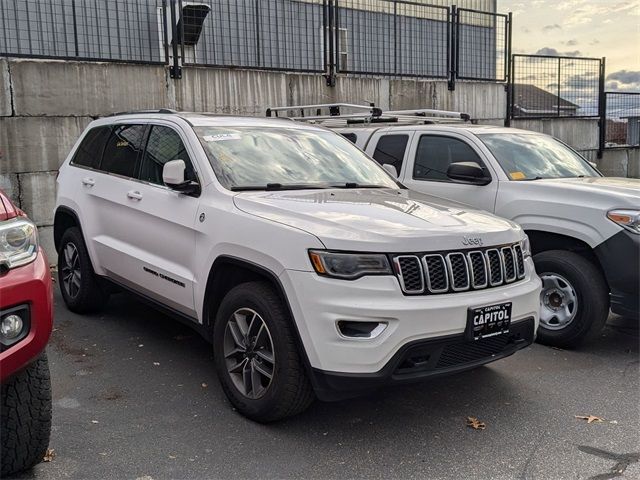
x: 467, y: 172
x: 391, y: 170
x: 173, y: 177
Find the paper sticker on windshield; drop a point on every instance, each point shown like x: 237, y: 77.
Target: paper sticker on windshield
x: 517, y: 175
x: 221, y: 137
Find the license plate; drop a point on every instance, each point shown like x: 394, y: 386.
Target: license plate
x: 489, y: 321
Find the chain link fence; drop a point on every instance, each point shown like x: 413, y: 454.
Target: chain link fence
x: 396, y: 38
x: 622, y: 119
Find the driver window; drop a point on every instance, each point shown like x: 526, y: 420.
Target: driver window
x: 164, y: 145
x: 436, y: 153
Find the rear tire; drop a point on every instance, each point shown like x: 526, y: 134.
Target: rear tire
x: 25, y: 417
x: 80, y: 286
x: 574, y: 303
x: 267, y: 381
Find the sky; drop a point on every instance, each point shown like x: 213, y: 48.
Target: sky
x: 588, y: 28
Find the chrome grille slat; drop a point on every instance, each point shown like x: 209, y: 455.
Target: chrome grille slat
x: 459, y: 271
x: 410, y: 274
x: 509, y: 264
x: 435, y: 269
x: 478, y: 269
x: 496, y: 268
x: 519, y: 260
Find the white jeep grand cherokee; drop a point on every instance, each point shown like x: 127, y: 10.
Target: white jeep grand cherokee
x: 306, y: 265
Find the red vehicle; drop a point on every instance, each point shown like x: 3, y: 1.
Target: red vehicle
x: 26, y: 316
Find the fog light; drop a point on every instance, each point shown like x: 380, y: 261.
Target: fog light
x: 11, y: 327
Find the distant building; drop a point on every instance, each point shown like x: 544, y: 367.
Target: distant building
x: 532, y: 101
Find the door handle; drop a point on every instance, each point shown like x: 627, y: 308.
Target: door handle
x: 134, y: 195
x: 88, y: 182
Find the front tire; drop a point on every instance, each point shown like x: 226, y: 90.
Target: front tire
x: 574, y: 302
x: 80, y: 287
x: 25, y: 417
x: 256, y: 355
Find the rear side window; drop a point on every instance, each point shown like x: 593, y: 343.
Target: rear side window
x: 390, y: 150
x: 435, y: 154
x: 90, y: 150
x: 121, y: 155
x: 164, y: 145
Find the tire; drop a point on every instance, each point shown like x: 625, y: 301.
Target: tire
x: 25, y: 417
x: 86, y: 295
x: 288, y: 391
x: 580, y: 279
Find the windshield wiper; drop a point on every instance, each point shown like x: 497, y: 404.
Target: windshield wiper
x: 357, y: 185
x: 278, y: 186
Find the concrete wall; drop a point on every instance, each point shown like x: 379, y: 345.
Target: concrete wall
x: 45, y: 105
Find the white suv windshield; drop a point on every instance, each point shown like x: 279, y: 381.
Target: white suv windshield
x: 530, y: 157
x: 247, y: 158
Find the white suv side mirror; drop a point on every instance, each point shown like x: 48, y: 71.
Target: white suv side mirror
x: 173, y: 173
x: 173, y: 177
x: 391, y: 170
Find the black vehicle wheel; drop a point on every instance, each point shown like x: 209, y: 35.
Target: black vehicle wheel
x: 25, y: 417
x: 80, y: 287
x: 574, y: 302
x: 256, y: 356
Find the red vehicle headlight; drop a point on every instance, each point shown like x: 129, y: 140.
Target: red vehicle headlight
x: 18, y: 243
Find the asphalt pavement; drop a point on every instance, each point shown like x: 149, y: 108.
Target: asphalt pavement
x: 136, y: 396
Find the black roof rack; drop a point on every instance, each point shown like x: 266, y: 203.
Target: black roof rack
x: 135, y: 112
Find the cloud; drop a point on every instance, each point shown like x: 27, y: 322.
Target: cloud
x: 624, y: 81
x: 625, y: 76
x: 570, y: 43
x: 583, y: 13
x: 548, y: 28
x: 555, y: 53
x: 595, y: 41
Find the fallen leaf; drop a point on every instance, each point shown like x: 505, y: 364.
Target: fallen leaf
x: 156, y: 364
x: 590, y: 418
x: 615, y: 422
x: 476, y: 424
x: 49, y: 454
x: 141, y: 345
x: 204, y: 385
x: 94, y: 421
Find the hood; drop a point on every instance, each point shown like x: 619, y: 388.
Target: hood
x: 7, y: 209
x: 380, y: 220
x: 621, y: 189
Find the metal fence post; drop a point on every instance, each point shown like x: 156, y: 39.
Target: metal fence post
x: 508, y: 72
x: 330, y: 37
x: 602, y: 111
x: 75, y: 27
x: 175, y: 70
x: 453, y: 54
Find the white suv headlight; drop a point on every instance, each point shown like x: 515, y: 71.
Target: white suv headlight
x: 526, y: 247
x: 18, y: 243
x: 629, y: 219
x: 349, y: 266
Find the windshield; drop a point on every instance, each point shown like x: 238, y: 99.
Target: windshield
x: 530, y: 157
x: 247, y: 158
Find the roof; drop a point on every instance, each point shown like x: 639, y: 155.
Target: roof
x: 534, y: 100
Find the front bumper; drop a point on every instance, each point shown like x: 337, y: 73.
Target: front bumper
x: 319, y: 303
x: 29, y: 286
x: 620, y: 260
x: 423, y: 359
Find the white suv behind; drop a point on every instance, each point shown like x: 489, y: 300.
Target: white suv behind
x: 308, y: 267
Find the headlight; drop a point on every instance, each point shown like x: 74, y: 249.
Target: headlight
x: 526, y: 247
x: 349, y: 265
x: 629, y: 219
x: 18, y: 243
